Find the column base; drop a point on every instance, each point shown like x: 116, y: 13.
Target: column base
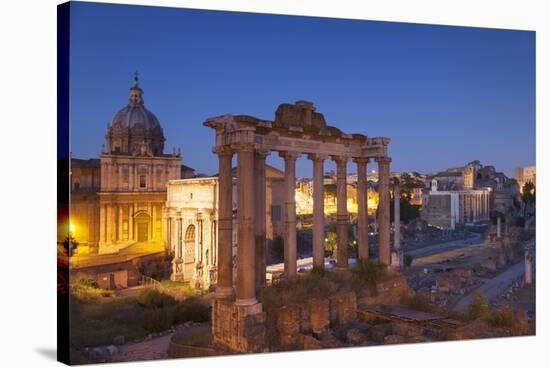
x: 223, y: 292
x: 246, y: 302
x: 396, y: 258
x: 238, y: 328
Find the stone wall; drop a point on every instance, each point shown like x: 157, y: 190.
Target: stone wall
x: 298, y: 324
x: 238, y: 328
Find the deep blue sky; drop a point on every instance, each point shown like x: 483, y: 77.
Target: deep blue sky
x: 444, y: 95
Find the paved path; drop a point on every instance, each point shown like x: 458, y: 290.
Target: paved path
x: 444, y: 246
x: 493, y: 287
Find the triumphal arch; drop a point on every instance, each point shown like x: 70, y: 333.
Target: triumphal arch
x: 238, y: 322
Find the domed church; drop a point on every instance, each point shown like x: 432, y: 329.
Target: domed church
x: 119, y: 199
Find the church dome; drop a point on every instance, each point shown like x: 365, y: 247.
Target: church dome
x: 131, y: 116
x: 134, y: 129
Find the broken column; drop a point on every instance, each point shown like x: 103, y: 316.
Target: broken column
x: 528, y: 266
x: 397, y: 253
x: 384, y: 210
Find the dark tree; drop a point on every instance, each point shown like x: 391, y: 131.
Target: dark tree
x: 70, y: 244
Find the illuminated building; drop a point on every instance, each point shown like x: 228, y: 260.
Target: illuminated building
x: 524, y: 175
x: 119, y: 199
x: 304, y: 199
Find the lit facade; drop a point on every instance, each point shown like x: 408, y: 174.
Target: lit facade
x: 119, y: 199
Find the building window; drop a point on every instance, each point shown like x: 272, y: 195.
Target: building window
x: 142, y: 183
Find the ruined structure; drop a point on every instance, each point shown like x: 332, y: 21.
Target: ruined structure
x: 298, y: 129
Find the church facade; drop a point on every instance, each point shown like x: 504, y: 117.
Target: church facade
x: 119, y: 199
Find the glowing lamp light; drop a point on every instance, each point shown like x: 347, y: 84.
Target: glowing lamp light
x: 72, y: 228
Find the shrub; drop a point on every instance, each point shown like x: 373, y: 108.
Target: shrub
x: 157, y: 319
x: 478, y: 307
x: 418, y: 303
x: 190, y: 310
x: 153, y: 298
x: 407, y: 260
x: 369, y: 273
x: 88, y: 282
x: 318, y: 271
x: 503, y: 317
x: 86, y: 290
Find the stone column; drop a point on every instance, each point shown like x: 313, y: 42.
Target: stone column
x: 384, y: 210
x: 397, y: 216
x: 165, y: 232
x: 528, y: 277
x: 224, y: 286
x: 102, y: 229
x: 260, y: 216
x: 103, y: 176
x: 153, y: 180
x: 362, y: 207
x: 109, y: 223
x: 396, y: 257
x: 318, y: 210
x: 246, y: 249
x: 120, y: 214
x: 342, y: 217
x: 130, y: 222
x: 154, y: 222
x: 290, y: 212
x: 131, y: 177
x: 498, y: 227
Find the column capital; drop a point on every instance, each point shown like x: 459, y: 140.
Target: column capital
x: 222, y: 150
x: 245, y: 147
x: 262, y: 153
x: 340, y: 159
x: 317, y: 157
x: 361, y: 160
x: 288, y: 155
x: 383, y: 159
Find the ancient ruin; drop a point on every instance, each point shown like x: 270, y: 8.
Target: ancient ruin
x: 239, y: 324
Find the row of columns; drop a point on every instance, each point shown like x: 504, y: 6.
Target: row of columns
x: 251, y: 216
x: 475, y: 206
x: 112, y: 220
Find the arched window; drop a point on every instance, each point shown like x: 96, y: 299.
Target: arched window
x: 190, y: 233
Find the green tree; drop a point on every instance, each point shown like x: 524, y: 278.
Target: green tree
x: 331, y: 243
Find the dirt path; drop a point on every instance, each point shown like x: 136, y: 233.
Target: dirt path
x: 423, y: 251
x: 146, y: 350
x: 493, y: 287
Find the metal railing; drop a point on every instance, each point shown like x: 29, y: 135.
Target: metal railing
x: 150, y: 282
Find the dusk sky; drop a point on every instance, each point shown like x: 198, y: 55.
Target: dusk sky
x: 444, y: 95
